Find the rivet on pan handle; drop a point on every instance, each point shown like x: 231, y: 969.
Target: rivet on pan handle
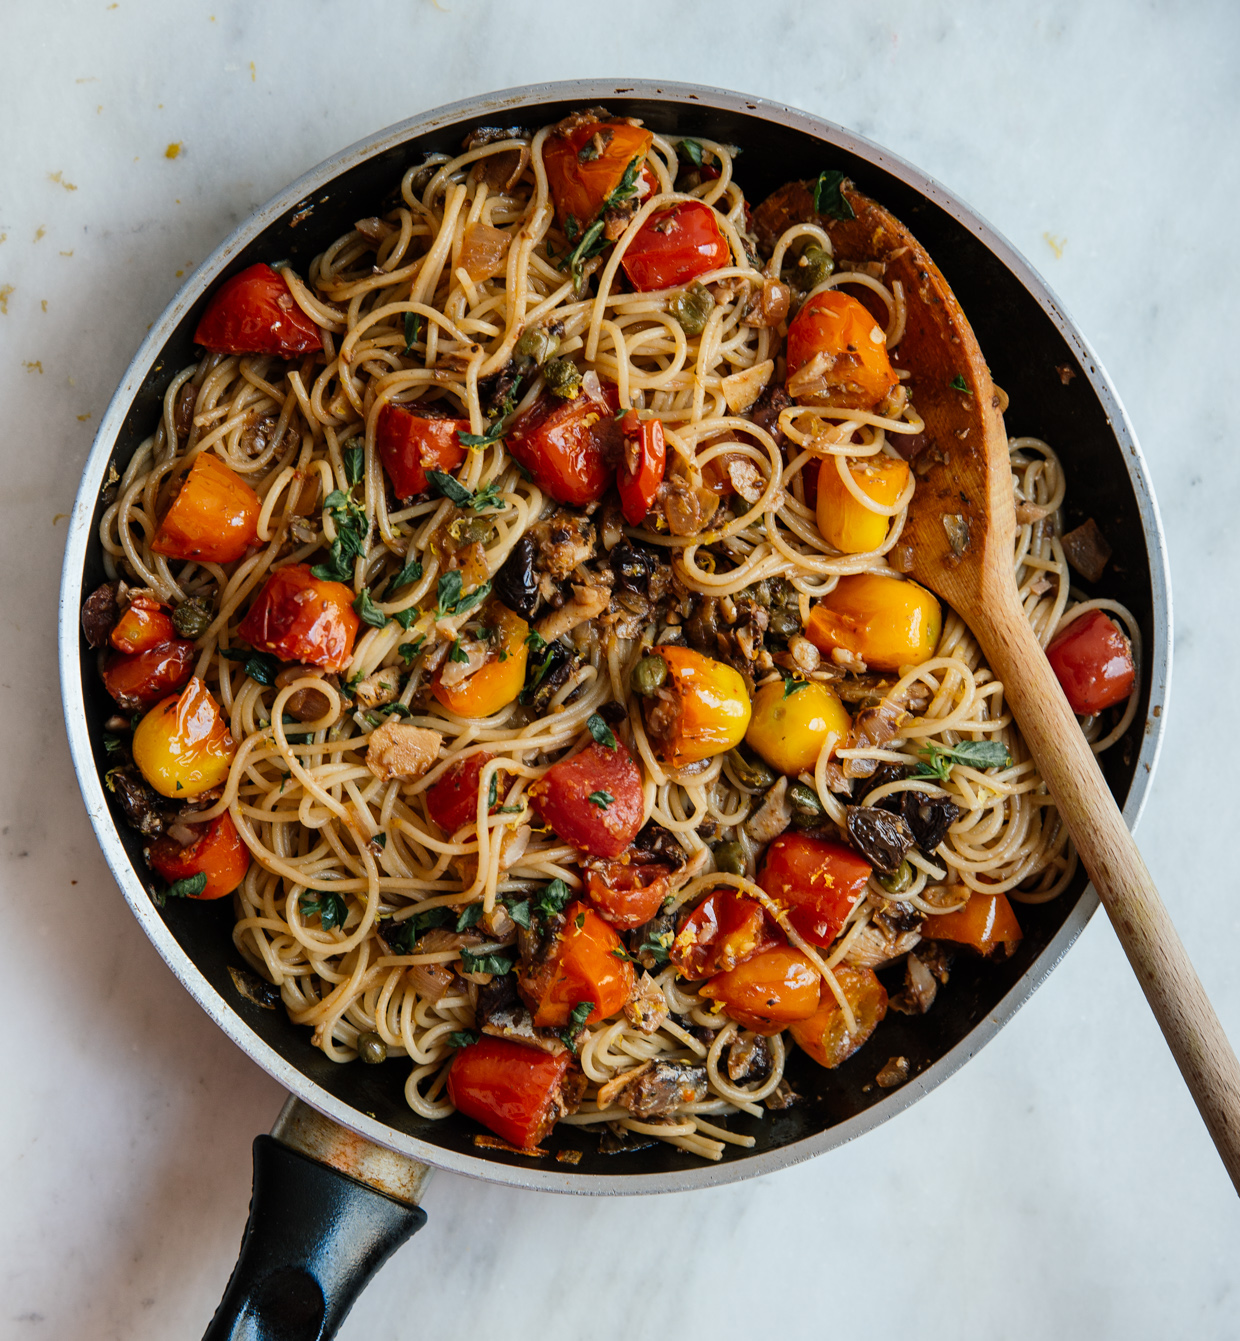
x: 327, y: 1210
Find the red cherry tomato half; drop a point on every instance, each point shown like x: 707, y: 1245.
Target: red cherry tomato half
x: 816, y: 881
x: 627, y: 895
x: 143, y: 626
x: 581, y: 966
x: 587, y: 164
x: 1092, y: 660
x: 214, y: 518
x: 254, y: 313
x: 509, y: 1088
x: 593, y: 800
x: 676, y: 246
x: 144, y: 678
x: 568, y: 446
x: 216, y: 852
x: 641, y: 472
x: 410, y: 445
x: 299, y: 617
x: 453, y: 800
x: 724, y: 930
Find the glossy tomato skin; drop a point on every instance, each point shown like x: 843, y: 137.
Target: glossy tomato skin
x: 1093, y: 662
x: 140, y: 679
x: 579, y: 185
x: 182, y: 746
x: 603, y: 828
x: 254, y: 313
x: 986, y: 924
x: 724, y: 930
x: 453, y: 800
x: 569, y: 446
x: 856, y: 370
x: 817, y: 881
x: 409, y: 445
x: 675, y: 246
x: 627, y: 894
x: 641, y: 472
x: 214, y: 518
x: 825, y: 1035
x: 143, y: 626
x: 217, y: 851
x: 582, y: 966
x: 496, y: 683
x: 299, y: 617
x: 768, y: 991
x: 509, y: 1088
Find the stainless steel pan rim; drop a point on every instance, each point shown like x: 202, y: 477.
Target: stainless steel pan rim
x: 511, y: 102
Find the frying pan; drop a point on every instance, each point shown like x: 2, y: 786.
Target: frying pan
x: 336, y: 1187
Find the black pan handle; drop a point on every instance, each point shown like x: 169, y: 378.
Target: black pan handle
x: 315, y: 1237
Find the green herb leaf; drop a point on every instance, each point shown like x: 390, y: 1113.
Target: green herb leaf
x: 329, y: 908
x: 413, y: 330
x: 457, y: 652
x: 380, y: 840
x: 488, y: 497
x: 791, y: 686
x: 959, y: 384
x: 469, y: 916
x: 368, y: 611
x: 396, y: 710
x: 553, y: 898
x: 493, y: 794
x: 448, y: 592
x: 626, y: 186
x: 111, y: 744
x: 475, y: 441
x: 404, y: 936
x: 621, y: 953
x: 462, y: 1038
x: 691, y: 151
x: 473, y: 599
x: 409, y: 573
x: 580, y: 919
x: 519, y: 912
x: 354, y: 460
x: 509, y: 810
x: 189, y: 888
x: 601, y: 799
x: 487, y: 959
x: 406, y: 617
x: 592, y: 242
x: 410, y: 650
x: 601, y: 731
x: 352, y: 532
x: 449, y: 488
x: 829, y: 199
x: 535, y: 641
x: 969, y: 753
x: 576, y: 1023
x: 658, y: 945
x: 262, y: 668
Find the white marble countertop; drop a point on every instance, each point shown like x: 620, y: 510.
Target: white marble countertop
x: 1062, y: 1183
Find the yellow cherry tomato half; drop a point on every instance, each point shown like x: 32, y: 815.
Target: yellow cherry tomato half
x: 846, y: 523
x: 182, y: 746
x: 791, y: 722
x: 703, y: 709
x: 499, y: 679
x: 886, y: 622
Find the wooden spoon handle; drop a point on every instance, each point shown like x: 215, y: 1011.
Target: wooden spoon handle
x: 1167, y: 977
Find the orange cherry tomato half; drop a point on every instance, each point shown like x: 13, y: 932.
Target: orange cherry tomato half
x: 641, y: 472
x: 586, y: 165
x: 817, y: 881
x: 568, y: 446
x: 255, y: 313
x: 825, y: 1035
x: 768, y: 991
x: 453, y: 800
x: 143, y: 678
x: 216, y: 852
x: 409, y: 445
x: 709, y: 711
x: 724, y: 930
x: 1093, y: 662
x: 510, y: 1089
x: 499, y: 679
x: 580, y: 967
x: 627, y: 895
x: 986, y: 923
x: 852, y: 368
x: 675, y: 246
x: 143, y: 626
x: 214, y: 518
x: 182, y: 746
x: 593, y: 800
x: 299, y: 617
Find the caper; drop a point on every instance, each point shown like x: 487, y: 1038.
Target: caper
x: 648, y: 676
x: 535, y: 347
x: 471, y: 531
x: 371, y: 1048
x: 899, y: 880
x: 754, y: 775
x: 730, y: 858
x: 692, y: 307
x: 191, y: 618
x: 563, y: 378
x: 806, y: 807
x: 816, y: 267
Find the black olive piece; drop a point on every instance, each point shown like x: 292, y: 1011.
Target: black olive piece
x: 702, y: 626
x: 495, y: 390
x: 494, y: 996
x: 881, y: 837
x: 516, y: 583
x: 100, y: 614
x: 929, y: 817
x: 546, y: 671
x: 631, y: 567
x: 613, y: 713
x: 141, y: 804
x: 655, y: 843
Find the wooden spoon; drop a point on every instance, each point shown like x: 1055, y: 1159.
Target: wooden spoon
x: 961, y: 526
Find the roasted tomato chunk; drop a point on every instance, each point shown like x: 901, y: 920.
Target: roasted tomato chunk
x: 143, y: 626
x: 586, y: 164
x: 641, y: 472
x: 767, y: 992
x: 986, y: 924
x: 580, y: 966
x: 254, y: 313
x: 182, y: 746
x: 593, y: 800
x: 825, y: 1035
x: 453, y: 800
x: 837, y: 354
x: 515, y: 1091
x: 569, y: 446
x: 410, y: 445
x: 214, y: 518
x: 1093, y: 662
x: 299, y: 617
x: 499, y: 679
x: 627, y: 894
x: 817, y: 881
x: 701, y: 709
x: 675, y: 246
x: 724, y: 930
x: 216, y: 852
x: 139, y: 680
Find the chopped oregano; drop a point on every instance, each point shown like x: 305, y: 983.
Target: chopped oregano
x: 493, y: 959
x: 368, y: 611
x: 352, y: 532
x: 601, y: 799
x: 469, y: 916
x: 329, y: 908
x: 969, y: 753
x: 959, y: 384
x: 354, y: 460
x: 577, y: 1018
x: 409, y: 573
x: 262, y: 668
x: 411, y: 650
x: 791, y: 686
x: 413, y: 330
x: 552, y: 898
x: 829, y: 199
x: 189, y: 888
x: 601, y: 731
x: 462, y: 1038
x: 691, y: 151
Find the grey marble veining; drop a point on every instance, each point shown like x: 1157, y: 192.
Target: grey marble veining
x: 1061, y: 1184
